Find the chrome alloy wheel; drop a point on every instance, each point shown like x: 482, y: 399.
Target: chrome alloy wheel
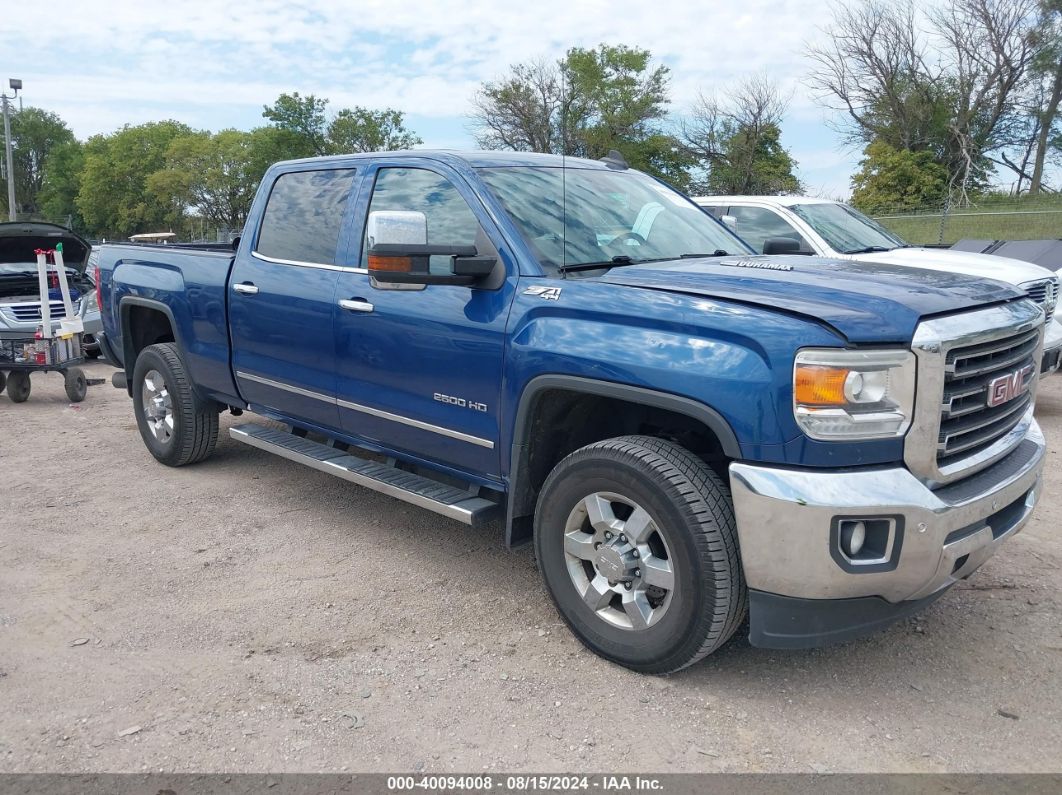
x: 618, y: 560
x: 158, y: 406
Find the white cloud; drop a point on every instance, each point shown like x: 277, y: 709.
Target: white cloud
x: 426, y: 57
x: 214, y: 64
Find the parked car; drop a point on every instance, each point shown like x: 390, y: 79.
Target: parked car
x: 833, y: 229
x: 687, y: 432
x: 20, y: 299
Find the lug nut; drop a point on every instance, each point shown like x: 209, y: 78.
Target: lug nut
x: 608, y: 535
x: 637, y: 572
x: 623, y: 538
x: 627, y: 585
x: 635, y: 553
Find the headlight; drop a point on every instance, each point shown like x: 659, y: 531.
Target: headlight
x: 847, y: 394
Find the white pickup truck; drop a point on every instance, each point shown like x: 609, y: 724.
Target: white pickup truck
x: 832, y: 229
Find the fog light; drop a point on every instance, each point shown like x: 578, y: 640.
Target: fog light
x: 853, y: 536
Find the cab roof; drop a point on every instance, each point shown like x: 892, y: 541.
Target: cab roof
x: 475, y: 159
x: 782, y: 201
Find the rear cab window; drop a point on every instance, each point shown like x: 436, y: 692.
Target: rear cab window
x: 304, y: 215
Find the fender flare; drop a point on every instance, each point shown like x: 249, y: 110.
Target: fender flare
x: 128, y: 356
x: 517, y: 522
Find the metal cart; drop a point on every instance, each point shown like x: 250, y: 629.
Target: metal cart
x: 55, y: 348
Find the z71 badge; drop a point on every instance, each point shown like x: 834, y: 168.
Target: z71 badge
x: 545, y: 293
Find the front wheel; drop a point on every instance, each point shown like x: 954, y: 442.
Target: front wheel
x: 636, y: 541
x: 177, y: 426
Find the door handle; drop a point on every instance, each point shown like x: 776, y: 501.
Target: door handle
x: 356, y: 305
x: 246, y: 288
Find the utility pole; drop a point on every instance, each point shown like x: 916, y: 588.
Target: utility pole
x: 15, y: 86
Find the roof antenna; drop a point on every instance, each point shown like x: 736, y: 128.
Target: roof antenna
x: 615, y: 160
x: 564, y: 180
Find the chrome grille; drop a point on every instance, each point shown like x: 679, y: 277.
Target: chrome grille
x: 1045, y: 294
x: 968, y: 424
x: 25, y: 313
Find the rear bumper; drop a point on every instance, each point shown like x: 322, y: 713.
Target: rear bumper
x: 808, y: 592
x: 107, y: 351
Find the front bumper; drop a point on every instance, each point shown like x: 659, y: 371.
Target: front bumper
x: 10, y: 329
x: 787, y: 523
x: 1052, y: 357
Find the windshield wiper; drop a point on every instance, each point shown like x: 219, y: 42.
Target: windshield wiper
x: 868, y: 250
x: 719, y: 252
x: 616, y: 262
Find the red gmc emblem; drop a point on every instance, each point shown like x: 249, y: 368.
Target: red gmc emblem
x: 1007, y: 387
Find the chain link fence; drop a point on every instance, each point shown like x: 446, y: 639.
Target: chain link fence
x: 990, y: 219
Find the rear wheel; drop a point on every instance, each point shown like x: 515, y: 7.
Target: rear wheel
x: 177, y: 426
x: 75, y: 383
x: 636, y: 541
x: 18, y: 386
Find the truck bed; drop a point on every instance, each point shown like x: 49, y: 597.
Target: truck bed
x: 189, y: 283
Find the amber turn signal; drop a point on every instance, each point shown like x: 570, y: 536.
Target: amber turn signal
x: 393, y: 264
x: 816, y: 385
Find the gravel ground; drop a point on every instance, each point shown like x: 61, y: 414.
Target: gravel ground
x: 249, y: 614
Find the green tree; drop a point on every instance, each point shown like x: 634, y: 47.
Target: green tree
x: 737, y: 142
x: 57, y: 200
x: 113, y: 197
x: 945, y: 78
x: 362, y: 130
x: 589, y: 102
x: 35, y: 134
x: 898, y: 179
x: 310, y: 132
x: 210, y: 174
x: 1047, y: 68
x: 754, y: 162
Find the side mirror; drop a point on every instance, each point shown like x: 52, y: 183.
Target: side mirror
x: 781, y: 245
x: 398, y: 252
x: 730, y: 222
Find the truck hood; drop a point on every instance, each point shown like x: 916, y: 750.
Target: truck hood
x: 986, y: 266
x: 19, y: 239
x: 866, y: 302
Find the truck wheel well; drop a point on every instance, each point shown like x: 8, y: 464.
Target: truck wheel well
x: 143, y: 326
x: 562, y: 421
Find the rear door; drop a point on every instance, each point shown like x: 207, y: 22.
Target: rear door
x: 419, y: 370
x: 282, y: 296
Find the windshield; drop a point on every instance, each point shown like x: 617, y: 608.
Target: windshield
x: 578, y: 216
x: 846, y: 230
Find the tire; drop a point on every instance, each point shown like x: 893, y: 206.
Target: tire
x: 3, y: 381
x: 75, y: 383
x: 177, y: 426
x: 92, y: 353
x: 18, y: 386
x: 690, y: 530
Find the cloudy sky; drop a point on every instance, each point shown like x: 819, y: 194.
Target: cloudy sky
x: 213, y: 64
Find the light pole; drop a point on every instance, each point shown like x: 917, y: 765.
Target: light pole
x: 15, y: 86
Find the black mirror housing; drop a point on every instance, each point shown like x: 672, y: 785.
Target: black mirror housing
x: 781, y: 245
x: 408, y: 263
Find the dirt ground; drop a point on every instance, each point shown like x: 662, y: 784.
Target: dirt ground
x: 249, y: 614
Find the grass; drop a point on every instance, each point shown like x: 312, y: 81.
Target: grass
x: 992, y: 219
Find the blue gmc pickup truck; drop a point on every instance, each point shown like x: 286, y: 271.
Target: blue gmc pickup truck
x: 689, y: 433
